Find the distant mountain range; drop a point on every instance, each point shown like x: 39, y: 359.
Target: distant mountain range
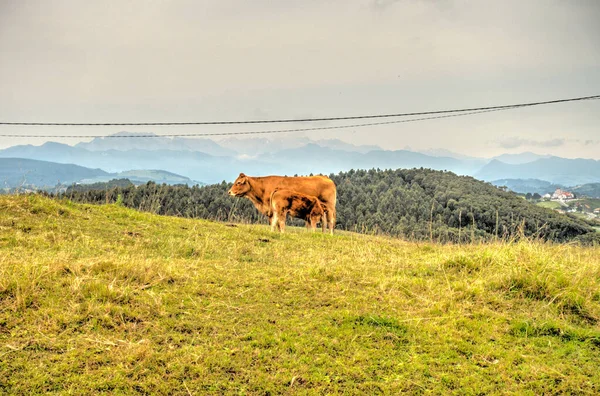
x: 224, y: 147
x: 552, y: 169
x: 19, y: 172
x: 521, y: 158
x: 258, y: 146
x: 311, y: 158
x: 212, y: 161
x: 120, y: 143
x: 33, y: 174
x: 528, y: 185
x: 514, y: 159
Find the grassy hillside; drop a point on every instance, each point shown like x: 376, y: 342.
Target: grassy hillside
x: 586, y: 204
x: 550, y: 204
x: 107, y: 299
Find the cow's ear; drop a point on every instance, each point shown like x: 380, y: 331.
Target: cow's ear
x: 242, y: 175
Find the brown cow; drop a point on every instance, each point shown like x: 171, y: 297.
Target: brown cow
x: 259, y: 190
x: 298, y: 205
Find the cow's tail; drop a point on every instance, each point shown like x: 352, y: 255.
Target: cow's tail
x: 271, y: 208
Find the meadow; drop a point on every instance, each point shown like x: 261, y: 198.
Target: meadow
x: 550, y: 204
x: 100, y: 299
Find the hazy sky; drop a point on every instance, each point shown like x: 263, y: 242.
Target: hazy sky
x: 193, y: 60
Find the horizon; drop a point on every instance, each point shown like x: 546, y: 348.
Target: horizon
x: 433, y: 152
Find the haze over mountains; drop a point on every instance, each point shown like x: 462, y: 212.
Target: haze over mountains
x: 155, y: 143
x: 27, y: 173
x: 224, y: 147
x: 212, y: 161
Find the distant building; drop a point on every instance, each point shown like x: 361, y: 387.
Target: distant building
x: 562, y: 195
x: 547, y: 196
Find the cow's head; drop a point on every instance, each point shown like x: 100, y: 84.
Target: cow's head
x: 240, y: 187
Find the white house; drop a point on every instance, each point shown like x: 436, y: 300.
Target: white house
x: 562, y: 195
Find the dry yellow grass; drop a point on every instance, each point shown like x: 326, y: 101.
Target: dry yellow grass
x: 106, y: 299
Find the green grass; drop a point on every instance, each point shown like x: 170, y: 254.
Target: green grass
x: 589, y: 203
x: 550, y: 204
x: 104, y: 299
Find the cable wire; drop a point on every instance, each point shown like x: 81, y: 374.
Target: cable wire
x: 269, y: 131
x: 373, y: 116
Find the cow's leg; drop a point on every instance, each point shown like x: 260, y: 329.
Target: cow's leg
x: 313, y: 224
x: 274, y: 221
x: 331, y: 220
x: 282, y: 219
x: 324, y: 221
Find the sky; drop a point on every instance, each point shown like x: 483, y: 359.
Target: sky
x: 188, y: 61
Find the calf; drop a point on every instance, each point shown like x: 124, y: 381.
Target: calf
x: 298, y: 205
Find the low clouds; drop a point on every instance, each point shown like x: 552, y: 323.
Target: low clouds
x: 515, y: 142
x: 386, y: 3
x: 383, y: 3
x: 591, y: 142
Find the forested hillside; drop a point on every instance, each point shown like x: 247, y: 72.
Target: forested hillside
x: 591, y: 190
x: 101, y: 186
x: 414, y: 204
x: 423, y: 203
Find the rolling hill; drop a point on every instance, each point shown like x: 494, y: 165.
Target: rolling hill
x: 33, y: 174
x: 528, y: 185
x: 143, y: 176
x: 542, y: 187
x: 17, y: 172
x: 103, y: 299
x: 591, y: 190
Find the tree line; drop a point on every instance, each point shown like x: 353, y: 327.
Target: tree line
x: 419, y: 204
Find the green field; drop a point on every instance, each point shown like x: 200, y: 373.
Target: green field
x: 589, y: 204
x: 106, y: 299
x: 550, y: 205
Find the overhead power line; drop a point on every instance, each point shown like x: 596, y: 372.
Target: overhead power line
x: 268, y: 131
x: 345, y: 118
